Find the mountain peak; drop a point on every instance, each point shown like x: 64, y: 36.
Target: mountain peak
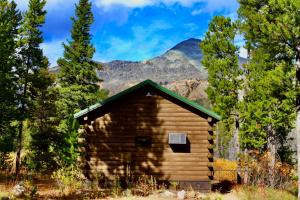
x: 192, y: 42
x: 190, y: 48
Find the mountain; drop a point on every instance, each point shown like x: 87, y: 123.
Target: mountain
x: 174, y: 65
x: 178, y: 69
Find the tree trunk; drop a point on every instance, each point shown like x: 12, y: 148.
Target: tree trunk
x: 298, y: 114
x: 218, y: 149
x: 19, y: 149
x: 298, y: 146
x: 236, y: 142
x: 20, y: 131
x: 234, y: 146
x: 272, y: 156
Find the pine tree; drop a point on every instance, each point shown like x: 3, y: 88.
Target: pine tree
x: 43, y: 128
x: 9, y: 23
x: 77, y: 78
x: 220, y: 58
x: 31, y: 67
x: 273, y: 38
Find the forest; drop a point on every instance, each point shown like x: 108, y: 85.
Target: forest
x: 259, y: 102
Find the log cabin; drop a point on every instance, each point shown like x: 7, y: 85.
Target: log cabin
x: 149, y: 130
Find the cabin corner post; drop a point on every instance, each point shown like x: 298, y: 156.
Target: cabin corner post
x: 83, y: 146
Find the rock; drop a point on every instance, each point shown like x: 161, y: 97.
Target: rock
x: 18, y: 190
x: 181, y: 194
x: 201, y: 196
x: 127, y: 193
x: 191, y: 195
x: 167, y: 193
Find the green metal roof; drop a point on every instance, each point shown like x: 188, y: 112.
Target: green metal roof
x: 154, y: 85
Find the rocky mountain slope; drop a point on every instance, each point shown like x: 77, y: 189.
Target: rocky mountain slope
x: 178, y: 69
x: 180, y: 62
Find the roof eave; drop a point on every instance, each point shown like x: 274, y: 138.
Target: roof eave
x: 193, y: 104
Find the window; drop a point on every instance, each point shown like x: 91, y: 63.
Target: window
x: 177, y: 138
x: 179, y: 143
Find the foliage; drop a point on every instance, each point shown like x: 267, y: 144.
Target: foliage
x: 220, y: 58
x: 225, y: 170
x: 77, y: 79
x: 31, y: 67
x: 10, y: 19
x: 44, y: 134
x: 68, y: 146
x: 255, y: 170
x: 272, y: 39
x: 221, y: 61
x: 144, y: 185
x: 77, y: 66
x: 68, y: 179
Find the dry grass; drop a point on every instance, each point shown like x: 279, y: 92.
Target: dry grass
x: 239, y: 193
x: 47, y: 189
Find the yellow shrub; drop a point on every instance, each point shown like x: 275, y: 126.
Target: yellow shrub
x: 225, y: 170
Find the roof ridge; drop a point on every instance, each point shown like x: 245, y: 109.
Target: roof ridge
x: 155, y: 85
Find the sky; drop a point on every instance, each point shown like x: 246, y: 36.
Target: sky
x: 133, y: 30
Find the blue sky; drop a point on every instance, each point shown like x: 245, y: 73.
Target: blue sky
x: 132, y: 29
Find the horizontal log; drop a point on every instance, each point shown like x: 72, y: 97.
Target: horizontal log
x: 153, y: 159
x: 111, y: 148
x: 152, y: 118
x: 98, y: 161
x: 195, y: 169
x: 150, y: 154
x: 175, y: 177
x: 152, y: 114
x: 154, y: 172
x: 108, y: 146
x: 152, y: 129
x: 122, y: 136
x: 141, y: 123
x: 107, y: 141
x: 162, y: 134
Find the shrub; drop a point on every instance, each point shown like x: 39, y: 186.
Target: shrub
x: 69, y: 179
x: 256, y: 170
x: 225, y: 170
x: 144, y: 185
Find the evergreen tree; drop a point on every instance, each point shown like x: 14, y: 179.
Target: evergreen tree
x: 271, y: 29
x: 9, y: 23
x: 31, y: 68
x: 220, y: 58
x: 77, y: 78
x: 43, y: 129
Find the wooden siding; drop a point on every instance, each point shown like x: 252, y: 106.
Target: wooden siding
x: 110, y: 146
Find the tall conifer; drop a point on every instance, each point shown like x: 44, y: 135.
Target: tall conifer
x: 10, y: 19
x: 271, y: 29
x: 32, y: 67
x: 77, y: 78
x: 220, y: 58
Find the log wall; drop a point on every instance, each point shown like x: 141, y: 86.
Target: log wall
x: 110, y: 141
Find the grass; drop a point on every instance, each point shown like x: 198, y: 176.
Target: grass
x: 238, y: 193
x: 261, y: 193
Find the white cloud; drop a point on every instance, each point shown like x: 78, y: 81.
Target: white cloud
x: 53, y: 50
x: 127, y: 3
x: 51, y: 4
x: 220, y: 5
x: 145, y: 42
x: 142, y: 3
x: 197, y: 12
x: 209, y: 5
